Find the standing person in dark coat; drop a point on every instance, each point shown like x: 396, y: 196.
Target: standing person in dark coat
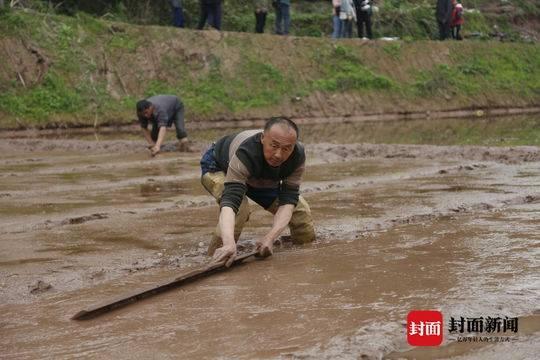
x: 363, y: 16
x: 178, y: 13
x: 211, y: 11
x: 443, y: 15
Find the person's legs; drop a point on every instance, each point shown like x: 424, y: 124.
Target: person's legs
x: 278, y: 20
x: 286, y: 12
x: 178, y: 17
x: 259, y: 25
x: 349, y: 28
x: 458, y: 35
x: 367, y: 20
x: 446, y: 30
x: 203, y: 16
x: 301, y: 224
x: 217, y: 16
x: 441, y: 30
x: 336, y: 22
x: 360, y: 25
x: 214, y: 183
x: 263, y: 20
x: 343, y: 28
x: 179, y: 123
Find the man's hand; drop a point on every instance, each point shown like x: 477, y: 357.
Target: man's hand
x: 264, y: 247
x: 154, y: 150
x: 225, y: 253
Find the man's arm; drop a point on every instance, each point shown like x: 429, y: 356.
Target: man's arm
x: 230, y: 202
x: 161, y: 136
x: 288, y: 198
x: 282, y: 218
x: 147, y: 136
x: 226, y: 227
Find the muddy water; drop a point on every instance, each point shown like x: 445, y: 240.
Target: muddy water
x: 399, y: 228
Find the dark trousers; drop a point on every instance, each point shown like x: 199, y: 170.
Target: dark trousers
x: 346, y: 28
x: 444, y: 30
x: 178, y: 17
x: 212, y: 13
x: 363, y: 17
x: 455, y: 32
x: 260, y: 21
x: 283, y: 18
x: 178, y: 122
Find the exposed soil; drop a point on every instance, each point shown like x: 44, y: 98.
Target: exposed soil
x: 399, y: 227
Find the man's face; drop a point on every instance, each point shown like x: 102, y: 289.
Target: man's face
x: 278, y: 144
x: 147, y: 113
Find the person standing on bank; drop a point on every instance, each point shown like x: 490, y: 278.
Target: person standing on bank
x: 162, y: 111
x: 211, y: 11
x: 336, y: 21
x: 283, y: 16
x: 265, y: 165
x: 348, y: 17
x: 363, y: 16
x: 443, y: 14
x: 457, y: 20
x: 177, y: 12
x: 261, y: 10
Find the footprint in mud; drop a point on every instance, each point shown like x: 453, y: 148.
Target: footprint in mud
x: 97, y: 275
x: 39, y: 287
x: 83, y: 219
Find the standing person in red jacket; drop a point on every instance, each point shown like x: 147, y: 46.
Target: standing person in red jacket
x: 457, y: 20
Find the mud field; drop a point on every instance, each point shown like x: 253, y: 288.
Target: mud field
x: 400, y: 227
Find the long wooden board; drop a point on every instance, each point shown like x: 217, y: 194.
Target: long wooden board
x: 137, y: 295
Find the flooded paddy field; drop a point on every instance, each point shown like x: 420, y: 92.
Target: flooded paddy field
x: 454, y: 228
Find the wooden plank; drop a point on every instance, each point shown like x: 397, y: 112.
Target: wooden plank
x: 137, y: 295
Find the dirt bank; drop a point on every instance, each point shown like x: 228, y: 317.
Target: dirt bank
x: 98, y: 70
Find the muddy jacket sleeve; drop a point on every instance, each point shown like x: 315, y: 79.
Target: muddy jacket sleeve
x: 235, y: 184
x: 289, y: 190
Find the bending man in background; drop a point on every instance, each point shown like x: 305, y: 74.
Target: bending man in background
x: 162, y: 111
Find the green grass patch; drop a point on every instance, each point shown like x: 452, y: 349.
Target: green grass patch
x: 124, y: 42
x: 51, y: 97
x: 490, y: 69
x: 254, y: 84
x: 343, y: 70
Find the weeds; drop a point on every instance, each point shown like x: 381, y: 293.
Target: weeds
x: 342, y: 71
x: 50, y: 97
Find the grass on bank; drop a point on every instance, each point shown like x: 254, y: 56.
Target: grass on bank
x: 74, y: 92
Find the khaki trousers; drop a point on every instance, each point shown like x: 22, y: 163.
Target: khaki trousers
x: 301, y: 224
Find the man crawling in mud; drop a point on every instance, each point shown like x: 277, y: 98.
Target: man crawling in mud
x: 267, y: 167
x: 162, y: 111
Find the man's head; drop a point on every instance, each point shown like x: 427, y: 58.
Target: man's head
x: 278, y: 140
x: 145, y: 109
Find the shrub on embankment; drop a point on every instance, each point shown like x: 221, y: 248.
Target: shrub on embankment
x: 79, y: 70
